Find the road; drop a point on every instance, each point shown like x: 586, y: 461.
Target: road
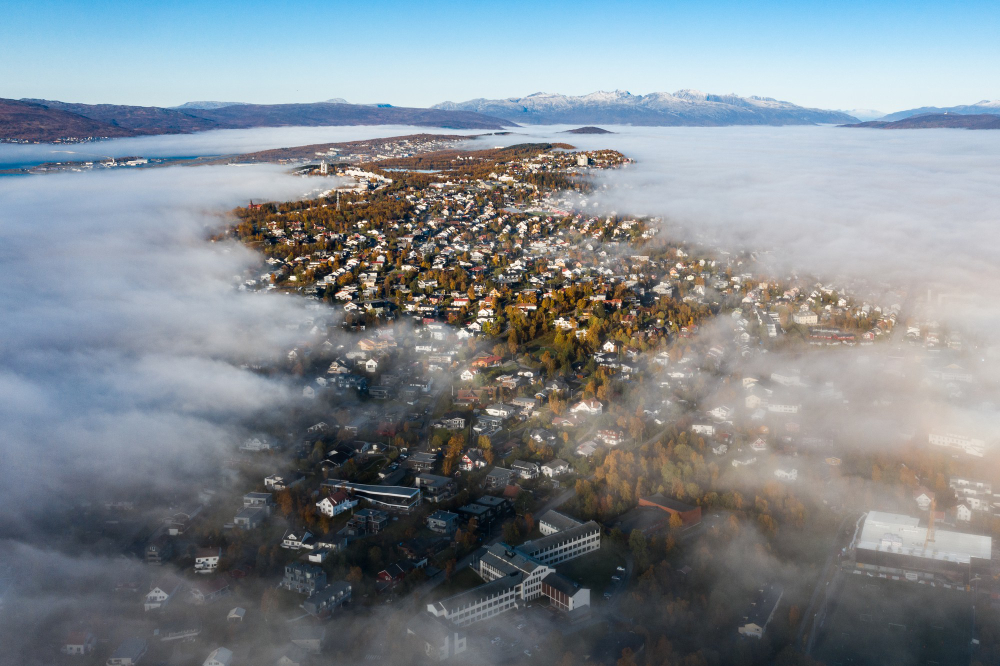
x: 812, y: 616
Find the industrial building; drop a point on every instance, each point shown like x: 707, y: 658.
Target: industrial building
x: 390, y: 498
x: 897, y: 546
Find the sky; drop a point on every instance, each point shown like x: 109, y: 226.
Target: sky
x: 888, y: 56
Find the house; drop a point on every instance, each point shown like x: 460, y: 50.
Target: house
x: 555, y: 468
x: 219, y: 657
x: 760, y: 611
x: 209, y: 591
x: 395, y: 572
x: 963, y: 513
x: 160, y: 594
x: 303, y: 578
x: 128, y: 653
x: 366, y: 521
x: 525, y: 470
x: 297, y: 540
x: 323, y: 602
x: 586, y: 449
x: 759, y: 445
x: 283, y: 481
x: 500, y: 410
x: 498, y: 477
x: 721, y: 413
x: 703, y: 429
x: 923, y: 497
x: 336, y: 504
x: 184, y: 630
x: 291, y: 655
x: 611, y: 437
x: 472, y: 460
x: 787, y: 474
x: 720, y: 450
x: 159, y: 550
x: 422, y: 462
x: 588, y: 407
x: 442, y: 522
x: 438, y: 639
x: 435, y: 488
x: 79, y: 642
x: 206, y: 560
x: 236, y: 615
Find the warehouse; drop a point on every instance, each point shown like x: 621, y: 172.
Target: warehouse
x: 896, y: 545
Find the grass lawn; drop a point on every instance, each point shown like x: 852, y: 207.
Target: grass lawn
x: 594, y: 570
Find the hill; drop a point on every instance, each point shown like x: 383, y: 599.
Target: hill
x: 45, y: 120
x: 589, y: 129
x: 684, y: 107
x: 937, y: 120
x: 24, y: 121
x: 983, y: 107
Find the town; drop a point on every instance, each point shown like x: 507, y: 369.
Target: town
x: 531, y: 433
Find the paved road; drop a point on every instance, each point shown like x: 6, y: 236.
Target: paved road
x: 819, y: 594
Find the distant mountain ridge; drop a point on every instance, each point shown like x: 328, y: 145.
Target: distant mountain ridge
x: 980, y: 121
x: 984, y: 107
x: 684, y: 107
x: 47, y: 120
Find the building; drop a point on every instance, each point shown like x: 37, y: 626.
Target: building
x: 442, y: 522
x: 366, y: 521
x: 690, y: 515
x: 389, y: 498
x: 323, y: 602
x: 435, y: 488
x: 760, y: 611
x: 128, y: 653
x: 219, y: 657
x: 897, y: 546
x: 159, y: 550
x: 256, y: 508
x: 438, y: 638
x: 564, y: 545
x: 552, y: 521
x: 479, y: 603
x: 79, y: 642
x: 564, y: 594
x: 336, y: 503
x: 422, y: 461
x: 969, y: 445
x: 208, y: 591
x: 555, y: 468
x: 303, y: 578
x: 525, y: 470
x: 160, y: 594
x: 206, y: 560
x: 498, y: 477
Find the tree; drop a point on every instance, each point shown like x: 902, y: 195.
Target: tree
x: 354, y: 575
x: 511, y: 533
x: 529, y: 523
x: 676, y: 522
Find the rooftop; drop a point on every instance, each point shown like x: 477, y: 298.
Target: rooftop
x: 896, y: 533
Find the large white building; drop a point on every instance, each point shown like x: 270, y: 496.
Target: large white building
x: 522, y: 573
x: 970, y: 445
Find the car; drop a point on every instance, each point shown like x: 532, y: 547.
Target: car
x: 527, y: 653
x: 616, y: 578
x: 621, y: 568
x: 607, y: 595
x: 495, y: 640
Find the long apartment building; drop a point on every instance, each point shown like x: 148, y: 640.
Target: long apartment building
x: 523, y: 573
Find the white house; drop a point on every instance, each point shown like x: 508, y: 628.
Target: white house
x: 787, y: 474
x: 336, y: 504
x: 703, y: 429
x: 759, y: 445
x: 555, y: 468
x: 588, y: 407
x: 721, y: 413
x: 160, y: 595
x: 720, y: 450
x: 206, y: 560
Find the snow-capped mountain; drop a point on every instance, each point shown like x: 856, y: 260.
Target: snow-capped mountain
x: 985, y: 106
x: 864, y: 115
x: 684, y: 107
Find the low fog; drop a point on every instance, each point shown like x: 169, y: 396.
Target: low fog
x: 123, y: 334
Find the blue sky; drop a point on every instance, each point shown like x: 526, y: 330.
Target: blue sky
x: 888, y: 55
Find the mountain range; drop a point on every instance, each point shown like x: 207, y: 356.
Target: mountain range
x: 984, y: 107
x: 938, y: 120
x: 47, y: 120
x: 684, y: 107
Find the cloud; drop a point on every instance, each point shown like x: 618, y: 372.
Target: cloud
x: 123, y: 336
